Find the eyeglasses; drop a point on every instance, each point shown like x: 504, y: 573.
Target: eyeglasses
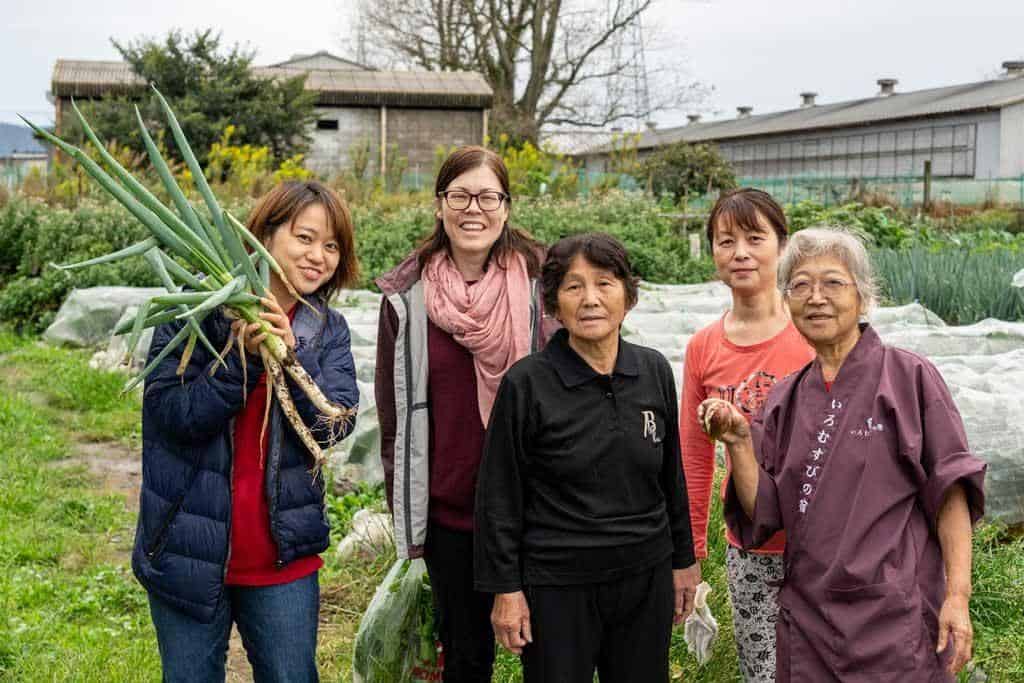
x: 459, y: 200
x: 801, y: 290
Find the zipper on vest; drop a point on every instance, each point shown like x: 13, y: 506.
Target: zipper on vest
x: 409, y: 399
x: 274, y: 462
x: 161, y: 534
x: 231, y: 485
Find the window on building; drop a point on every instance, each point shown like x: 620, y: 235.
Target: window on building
x: 327, y: 124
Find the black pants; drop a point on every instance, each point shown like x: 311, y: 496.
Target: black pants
x: 622, y: 628
x: 463, y: 614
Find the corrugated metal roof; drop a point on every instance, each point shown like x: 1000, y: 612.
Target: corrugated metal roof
x: 16, y: 139
x: 76, y: 78
x: 985, y: 95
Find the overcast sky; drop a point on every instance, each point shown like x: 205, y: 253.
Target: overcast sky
x: 760, y: 53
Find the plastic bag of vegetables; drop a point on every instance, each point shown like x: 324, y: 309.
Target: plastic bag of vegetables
x: 396, y: 641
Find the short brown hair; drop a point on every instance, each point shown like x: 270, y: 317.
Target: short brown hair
x: 741, y: 207
x: 466, y: 159
x: 601, y: 250
x: 287, y: 200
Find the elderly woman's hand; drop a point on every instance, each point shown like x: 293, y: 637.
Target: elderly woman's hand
x: 685, y: 582
x: 510, y: 619
x: 723, y: 421
x: 955, y: 626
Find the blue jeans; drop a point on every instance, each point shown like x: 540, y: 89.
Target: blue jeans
x: 278, y: 625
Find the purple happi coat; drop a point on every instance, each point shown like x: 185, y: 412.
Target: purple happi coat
x: 856, y: 476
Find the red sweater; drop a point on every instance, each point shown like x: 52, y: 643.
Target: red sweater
x: 743, y: 375
x: 456, y: 433
x: 253, y: 555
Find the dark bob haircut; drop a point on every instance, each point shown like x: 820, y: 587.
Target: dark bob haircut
x: 742, y: 207
x: 601, y: 250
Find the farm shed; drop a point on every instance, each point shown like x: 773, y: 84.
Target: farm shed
x: 414, y: 110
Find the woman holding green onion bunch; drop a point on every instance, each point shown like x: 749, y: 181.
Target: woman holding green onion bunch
x: 231, y: 519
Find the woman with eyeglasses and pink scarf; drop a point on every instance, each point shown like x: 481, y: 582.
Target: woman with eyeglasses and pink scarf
x: 455, y: 315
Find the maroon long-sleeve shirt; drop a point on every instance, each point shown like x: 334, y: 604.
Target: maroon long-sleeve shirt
x: 456, y: 432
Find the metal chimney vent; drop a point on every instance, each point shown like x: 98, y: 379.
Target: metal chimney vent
x: 808, y: 99
x: 1014, y: 69
x: 886, y: 86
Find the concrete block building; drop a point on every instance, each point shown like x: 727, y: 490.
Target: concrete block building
x: 357, y: 106
x: 970, y: 131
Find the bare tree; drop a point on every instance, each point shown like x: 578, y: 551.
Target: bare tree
x: 550, y: 62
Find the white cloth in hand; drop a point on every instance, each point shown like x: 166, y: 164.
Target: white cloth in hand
x: 701, y: 629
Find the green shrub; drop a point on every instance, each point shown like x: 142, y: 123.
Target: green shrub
x: 33, y: 235
x: 884, y: 227
x: 684, y: 170
x: 997, y: 220
x: 19, y: 221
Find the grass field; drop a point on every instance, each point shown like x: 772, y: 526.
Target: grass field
x: 70, y: 609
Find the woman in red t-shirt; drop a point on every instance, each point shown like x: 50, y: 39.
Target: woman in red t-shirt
x: 739, y: 358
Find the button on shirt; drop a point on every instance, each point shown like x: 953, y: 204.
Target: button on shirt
x: 581, y: 479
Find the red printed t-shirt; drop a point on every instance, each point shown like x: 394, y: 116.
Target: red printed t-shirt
x: 253, y: 552
x: 742, y: 375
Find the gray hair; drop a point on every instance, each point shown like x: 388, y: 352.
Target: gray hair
x: 839, y: 243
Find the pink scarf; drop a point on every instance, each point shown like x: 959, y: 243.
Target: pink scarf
x: 491, y: 318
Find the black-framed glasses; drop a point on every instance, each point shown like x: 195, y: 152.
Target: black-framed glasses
x: 459, y: 200
x: 830, y: 288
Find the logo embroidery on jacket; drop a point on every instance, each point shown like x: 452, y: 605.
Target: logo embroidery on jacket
x: 868, y: 430
x: 650, y: 426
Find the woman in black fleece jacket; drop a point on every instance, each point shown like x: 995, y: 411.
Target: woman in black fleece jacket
x: 582, y: 522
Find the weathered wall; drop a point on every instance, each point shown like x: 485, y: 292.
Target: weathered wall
x: 1011, y: 141
x: 331, y: 150
x: 418, y: 132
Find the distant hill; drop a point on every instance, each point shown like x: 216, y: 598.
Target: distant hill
x: 18, y: 139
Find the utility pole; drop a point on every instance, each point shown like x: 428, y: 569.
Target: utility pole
x: 628, y: 49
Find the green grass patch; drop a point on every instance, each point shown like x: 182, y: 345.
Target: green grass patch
x: 71, y: 611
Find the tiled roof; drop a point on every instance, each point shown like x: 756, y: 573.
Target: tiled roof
x: 77, y: 78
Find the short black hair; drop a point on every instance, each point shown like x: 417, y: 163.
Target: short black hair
x: 601, y: 250
x: 741, y: 207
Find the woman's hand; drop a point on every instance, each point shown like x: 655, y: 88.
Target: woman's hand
x: 955, y: 626
x: 253, y: 334
x: 722, y: 420
x: 510, y: 619
x: 685, y: 582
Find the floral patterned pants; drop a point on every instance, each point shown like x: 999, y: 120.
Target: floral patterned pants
x: 753, y: 584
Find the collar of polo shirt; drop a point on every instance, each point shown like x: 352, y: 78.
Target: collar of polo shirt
x: 574, y: 371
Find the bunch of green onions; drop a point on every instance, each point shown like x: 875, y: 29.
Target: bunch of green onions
x: 219, y: 270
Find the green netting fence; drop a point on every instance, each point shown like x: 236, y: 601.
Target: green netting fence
x: 905, y: 191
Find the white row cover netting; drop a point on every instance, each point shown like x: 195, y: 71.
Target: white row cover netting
x: 982, y: 363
